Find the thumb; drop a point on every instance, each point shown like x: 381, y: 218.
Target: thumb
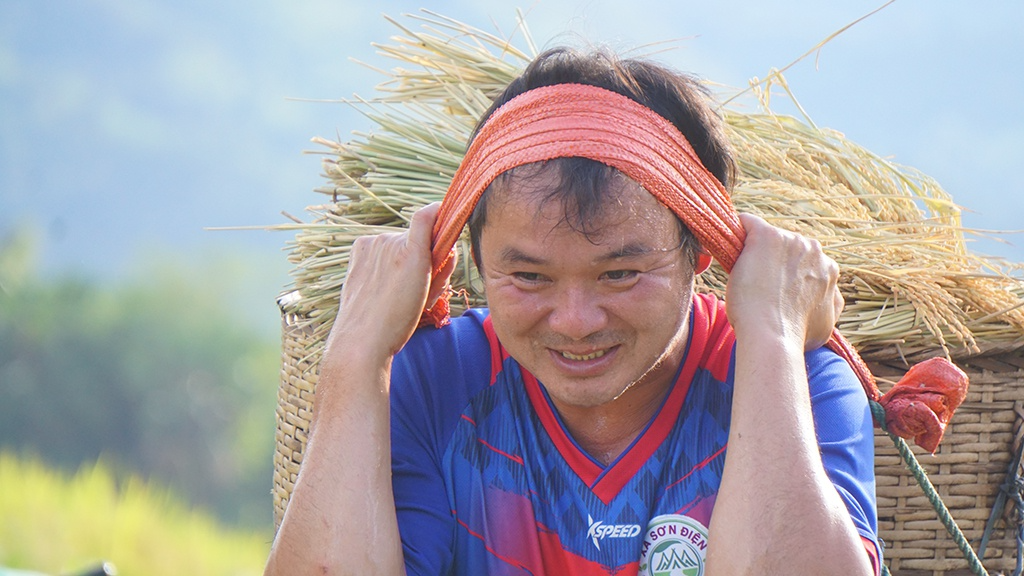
x: 422, y: 225
x: 421, y: 236
x: 439, y: 279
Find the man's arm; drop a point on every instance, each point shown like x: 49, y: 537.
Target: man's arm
x: 777, y: 512
x: 341, y: 515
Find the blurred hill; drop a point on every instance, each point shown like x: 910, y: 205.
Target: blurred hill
x: 129, y: 124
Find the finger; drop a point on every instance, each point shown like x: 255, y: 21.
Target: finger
x: 422, y: 225
x: 838, y: 302
x: 439, y: 281
x: 751, y: 222
x: 358, y: 247
x: 421, y: 234
x: 825, y: 320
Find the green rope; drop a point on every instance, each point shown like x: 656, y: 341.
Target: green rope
x: 878, y: 412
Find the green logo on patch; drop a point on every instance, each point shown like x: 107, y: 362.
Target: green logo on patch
x: 674, y: 545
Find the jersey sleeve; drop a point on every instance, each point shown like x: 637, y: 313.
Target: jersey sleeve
x: 845, y: 430
x: 432, y: 380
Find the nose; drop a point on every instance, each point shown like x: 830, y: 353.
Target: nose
x: 577, y: 313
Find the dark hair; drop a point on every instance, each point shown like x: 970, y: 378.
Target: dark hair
x: 584, y: 183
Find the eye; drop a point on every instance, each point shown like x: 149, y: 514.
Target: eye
x: 528, y: 277
x: 620, y: 275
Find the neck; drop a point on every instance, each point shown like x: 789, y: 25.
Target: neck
x: 604, y: 432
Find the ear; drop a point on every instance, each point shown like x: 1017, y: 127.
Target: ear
x: 703, y: 262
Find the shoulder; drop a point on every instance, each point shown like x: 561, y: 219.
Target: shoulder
x: 840, y: 405
x: 827, y: 372
x: 433, y: 378
x: 462, y: 340
x: 439, y: 370
x: 845, y: 431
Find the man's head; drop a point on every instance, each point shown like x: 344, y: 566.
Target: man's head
x: 587, y: 270
x: 582, y: 184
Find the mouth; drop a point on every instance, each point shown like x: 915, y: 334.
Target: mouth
x: 584, y: 362
x: 583, y: 357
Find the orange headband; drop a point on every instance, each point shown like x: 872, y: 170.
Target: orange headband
x: 577, y: 120
x: 585, y: 121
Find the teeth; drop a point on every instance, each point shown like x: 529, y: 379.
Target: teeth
x: 590, y: 356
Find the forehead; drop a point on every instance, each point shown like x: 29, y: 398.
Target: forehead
x: 587, y: 200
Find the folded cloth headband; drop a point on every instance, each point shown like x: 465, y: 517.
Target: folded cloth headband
x: 586, y: 121
x: 577, y: 120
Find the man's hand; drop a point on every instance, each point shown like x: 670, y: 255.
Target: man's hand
x: 388, y: 285
x: 783, y: 282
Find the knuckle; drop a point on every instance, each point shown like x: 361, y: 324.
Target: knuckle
x: 362, y: 243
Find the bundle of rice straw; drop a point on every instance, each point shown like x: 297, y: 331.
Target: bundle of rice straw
x: 911, y: 286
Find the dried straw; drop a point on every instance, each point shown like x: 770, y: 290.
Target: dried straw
x: 911, y: 285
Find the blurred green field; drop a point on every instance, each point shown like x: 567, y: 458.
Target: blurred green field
x: 56, y: 523
x: 165, y: 374
x: 136, y: 417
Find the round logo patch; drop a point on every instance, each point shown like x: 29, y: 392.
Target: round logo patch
x: 674, y: 545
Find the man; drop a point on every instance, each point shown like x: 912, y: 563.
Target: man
x: 599, y: 418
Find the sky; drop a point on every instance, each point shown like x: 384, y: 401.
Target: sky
x: 130, y: 127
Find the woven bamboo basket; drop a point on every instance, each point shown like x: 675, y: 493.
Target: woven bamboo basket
x: 895, y: 233
x: 967, y: 470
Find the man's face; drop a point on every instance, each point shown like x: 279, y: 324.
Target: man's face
x: 588, y: 316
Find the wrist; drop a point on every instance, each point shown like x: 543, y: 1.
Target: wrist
x: 769, y: 338
x: 353, y: 375
x: 350, y: 344
x: 770, y: 363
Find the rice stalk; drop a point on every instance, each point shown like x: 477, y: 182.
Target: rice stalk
x: 910, y: 283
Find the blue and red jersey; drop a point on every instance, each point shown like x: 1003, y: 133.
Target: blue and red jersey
x: 488, y: 481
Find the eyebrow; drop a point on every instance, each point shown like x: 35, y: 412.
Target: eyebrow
x: 629, y: 250
x: 513, y: 255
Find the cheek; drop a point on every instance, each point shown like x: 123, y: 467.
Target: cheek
x: 654, y: 305
x: 652, y: 293
x: 513, y: 307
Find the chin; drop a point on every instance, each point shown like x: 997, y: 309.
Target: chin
x: 584, y: 395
